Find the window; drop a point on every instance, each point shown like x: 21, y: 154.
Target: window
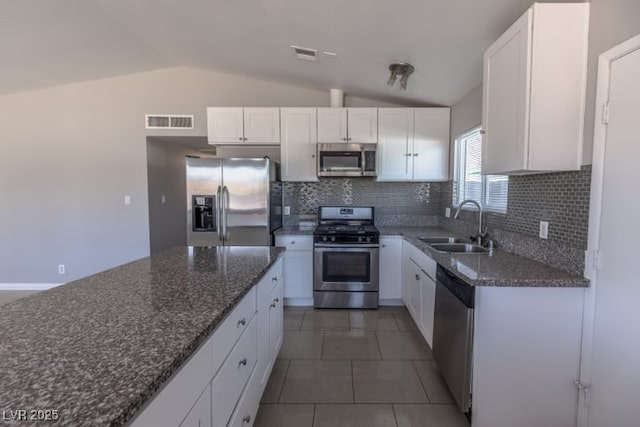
x: 469, y: 183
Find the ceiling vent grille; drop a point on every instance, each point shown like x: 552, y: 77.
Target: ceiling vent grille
x: 168, y: 121
x: 304, y: 53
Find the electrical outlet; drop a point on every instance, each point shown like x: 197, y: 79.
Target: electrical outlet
x: 287, y: 210
x: 61, y: 269
x: 447, y: 212
x: 544, y: 229
x: 127, y: 200
x: 163, y: 199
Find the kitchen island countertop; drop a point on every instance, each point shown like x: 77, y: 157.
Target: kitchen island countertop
x: 97, y: 349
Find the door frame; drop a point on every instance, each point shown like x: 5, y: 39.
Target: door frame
x: 595, y: 212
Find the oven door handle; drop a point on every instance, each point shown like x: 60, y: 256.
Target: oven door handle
x: 346, y: 246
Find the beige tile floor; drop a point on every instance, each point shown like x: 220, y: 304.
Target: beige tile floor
x: 353, y: 368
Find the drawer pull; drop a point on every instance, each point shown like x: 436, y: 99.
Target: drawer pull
x: 417, y: 277
x: 247, y: 419
x: 293, y: 242
x: 272, y: 305
x: 276, y: 300
x: 274, y: 279
x: 242, y: 322
x: 243, y: 362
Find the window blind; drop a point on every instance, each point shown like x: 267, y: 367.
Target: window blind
x: 490, y: 191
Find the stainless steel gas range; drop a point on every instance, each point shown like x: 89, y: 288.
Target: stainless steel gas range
x: 345, y: 262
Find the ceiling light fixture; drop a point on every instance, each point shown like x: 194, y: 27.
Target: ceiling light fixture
x: 401, y: 69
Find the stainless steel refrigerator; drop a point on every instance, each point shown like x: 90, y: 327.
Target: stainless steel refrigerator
x: 232, y: 202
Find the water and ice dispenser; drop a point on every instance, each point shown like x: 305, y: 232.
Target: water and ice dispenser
x: 204, y: 213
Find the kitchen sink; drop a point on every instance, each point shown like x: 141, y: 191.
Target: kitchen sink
x: 466, y: 248
x: 441, y: 239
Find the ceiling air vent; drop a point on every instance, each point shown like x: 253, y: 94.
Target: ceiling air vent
x: 304, y: 53
x: 168, y: 121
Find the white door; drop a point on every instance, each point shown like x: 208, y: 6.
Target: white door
x: 225, y: 124
x: 395, y: 142
x: 332, y: 125
x: 362, y: 125
x: 613, y: 368
x: 298, y: 146
x: 431, y: 144
x: 262, y: 125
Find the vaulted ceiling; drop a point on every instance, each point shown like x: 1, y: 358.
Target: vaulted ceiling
x: 46, y: 43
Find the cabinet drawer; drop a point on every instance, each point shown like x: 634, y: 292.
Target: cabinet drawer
x: 268, y: 282
x: 228, y: 384
x: 227, y: 334
x: 247, y: 409
x: 295, y: 243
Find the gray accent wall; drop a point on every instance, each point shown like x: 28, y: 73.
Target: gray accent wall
x: 69, y: 154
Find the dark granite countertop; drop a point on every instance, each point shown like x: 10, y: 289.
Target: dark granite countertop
x: 95, y: 350
x: 291, y: 230
x: 498, y: 269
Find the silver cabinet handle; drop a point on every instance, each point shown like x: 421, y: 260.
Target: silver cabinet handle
x: 293, y: 242
x: 247, y: 419
x: 242, y: 322
x: 313, y: 156
x: 344, y: 139
x: 240, y: 138
x: 384, y: 246
x: 272, y: 305
x: 417, y: 277
x: 274, y: 279
x: 243, y: 362
x: 415, y: 154
x: 276, y: 300
x: 408, y: 154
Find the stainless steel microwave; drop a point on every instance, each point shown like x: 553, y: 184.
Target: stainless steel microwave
x: 347, y: 159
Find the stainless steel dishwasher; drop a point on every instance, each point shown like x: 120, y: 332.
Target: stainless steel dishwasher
x: 453, y: 335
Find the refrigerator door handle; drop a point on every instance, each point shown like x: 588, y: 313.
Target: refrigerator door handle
x: 225, y: 196
x: 219, y: 213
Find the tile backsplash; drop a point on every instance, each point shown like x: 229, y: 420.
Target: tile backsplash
x: 396, y: 203
x: 561, y: 198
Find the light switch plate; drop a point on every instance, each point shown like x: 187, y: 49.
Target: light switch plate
x: 447, y: 212
x: 127, y: 200
x: 287, y: 210
x: 544, y: 229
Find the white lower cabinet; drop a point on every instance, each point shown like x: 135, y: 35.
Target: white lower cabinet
x: 222, y: 383
x: 200, y: 414
x: 298, y: 269
x: 390, y: 270
x: 419, y: 288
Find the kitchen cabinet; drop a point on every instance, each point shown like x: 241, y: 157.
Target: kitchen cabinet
x: 534, y: 92
x: 298, y: 146
x: 390, y: 270
x: 348, y: 125
x: 238, y: 125
x: 222, y: 383
x: 419, y: 288
x: 298, y: 268
x: 413, y: 144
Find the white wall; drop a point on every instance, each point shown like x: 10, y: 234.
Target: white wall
x: 69, y: 154
x: 465, y: 115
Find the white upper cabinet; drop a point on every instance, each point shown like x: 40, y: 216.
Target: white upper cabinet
x: 413, y: 144
x: 534, y: 92
x: 431, y: 144
x: 298, y: 145
x: 348, y: 125
x: 395, y: 159
x: 237, y: 125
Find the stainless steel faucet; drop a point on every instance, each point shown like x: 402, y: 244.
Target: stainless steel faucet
x: 481, y: 233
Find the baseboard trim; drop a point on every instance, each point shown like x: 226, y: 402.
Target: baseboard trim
x: 298, y: 302
x: 391, y: 302
x: 28, y: 286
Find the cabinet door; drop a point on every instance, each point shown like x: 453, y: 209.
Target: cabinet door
x: 225, y: 125
x: 427, y: 305
x: 262, y: 125
x: 298, y: 145
x: 332, y: 125
x: 431, y: 144
x: 390, y: 268
x: 362, y: 125
x: 505, y: 101
x: 395, y: 140
x: 414, y: 290
x: 298, y: 267
x: 276, y: 322
x: 200, y: 414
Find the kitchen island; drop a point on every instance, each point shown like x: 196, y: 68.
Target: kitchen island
x: 95, y: 351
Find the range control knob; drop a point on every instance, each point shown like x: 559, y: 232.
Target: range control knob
x: 333, y: 238
x: 324, y: 238
x: 359, y: 238
x: 368, y: 239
